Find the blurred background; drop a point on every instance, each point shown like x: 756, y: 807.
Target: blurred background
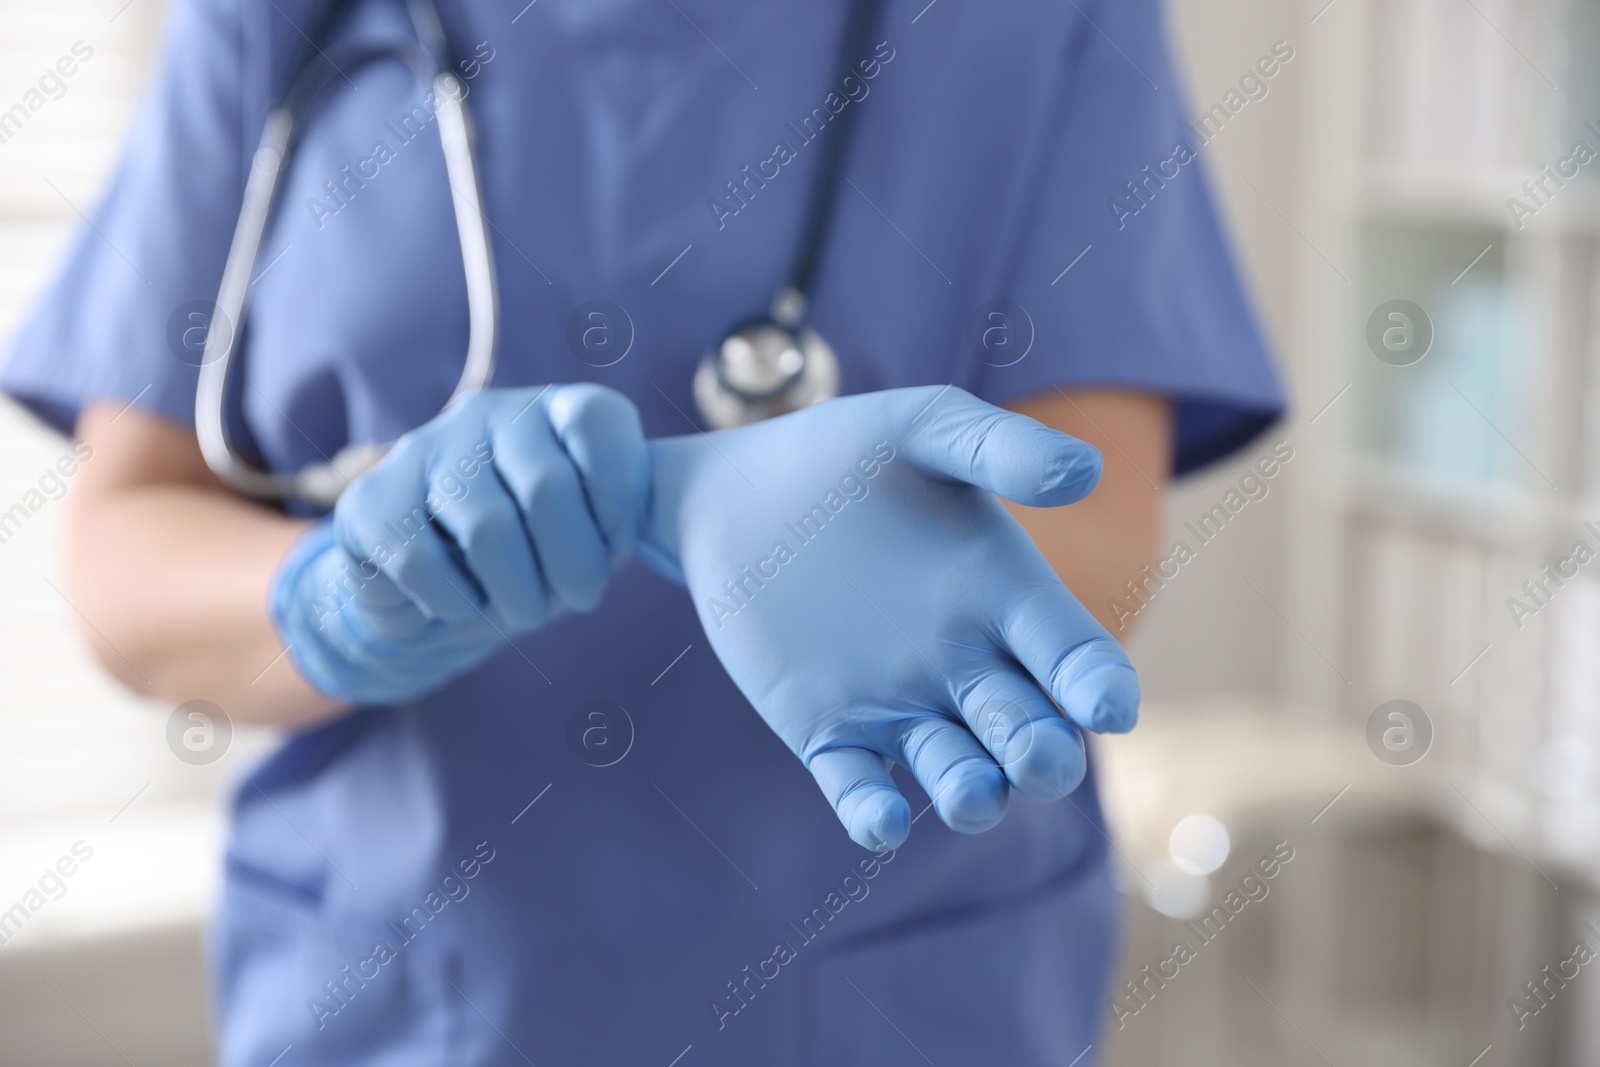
x: 1349, y: 683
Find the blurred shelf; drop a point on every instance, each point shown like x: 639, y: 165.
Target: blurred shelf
x: 1475, y: 197
x: 1260, y: 767
x: 1249, y: 762
x: 1499, y: 515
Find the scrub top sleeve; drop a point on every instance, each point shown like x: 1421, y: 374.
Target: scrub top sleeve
x: 123, y: 319
x: 1121, y: 264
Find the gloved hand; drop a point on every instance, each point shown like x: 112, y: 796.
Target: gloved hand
x: 505, y: 511
x: 876, y: 603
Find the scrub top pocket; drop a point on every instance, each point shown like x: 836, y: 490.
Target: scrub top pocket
x: 1011, y: 982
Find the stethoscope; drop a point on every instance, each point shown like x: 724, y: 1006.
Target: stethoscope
x: 763, y: 367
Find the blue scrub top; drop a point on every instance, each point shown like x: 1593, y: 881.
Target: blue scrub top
x: 391, y: 896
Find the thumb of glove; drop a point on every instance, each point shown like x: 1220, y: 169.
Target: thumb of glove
x: 955, y: 435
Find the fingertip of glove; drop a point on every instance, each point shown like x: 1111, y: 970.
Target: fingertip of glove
x: 1054, y: 764
x: 1035, y: 465
x: 1075, y: 474
x: 974, y: 801
x: 1105, y: 697
x: 881, y: 821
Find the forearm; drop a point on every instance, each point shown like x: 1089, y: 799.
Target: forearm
x: 1108, y: 538
x: 170, y: 578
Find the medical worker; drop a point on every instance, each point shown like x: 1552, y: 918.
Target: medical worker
x: 610, y: 738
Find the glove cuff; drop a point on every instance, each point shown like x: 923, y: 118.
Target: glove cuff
x: 302, y: 614
x: 659, y: 536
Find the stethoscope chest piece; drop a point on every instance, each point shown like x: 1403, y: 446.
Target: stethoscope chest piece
x: 766, y: 367
x: 763, y: 369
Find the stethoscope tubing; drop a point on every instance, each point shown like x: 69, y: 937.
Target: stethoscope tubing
x: 321, y: 484
x: 721, y: 401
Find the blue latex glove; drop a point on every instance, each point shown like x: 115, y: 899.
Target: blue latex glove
x: 875, y: 602
x: 505, y: 511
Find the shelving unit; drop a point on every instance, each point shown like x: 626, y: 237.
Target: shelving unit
x: 1422, y: 498
x: 1470, y: 470
x: 1455, y: 479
